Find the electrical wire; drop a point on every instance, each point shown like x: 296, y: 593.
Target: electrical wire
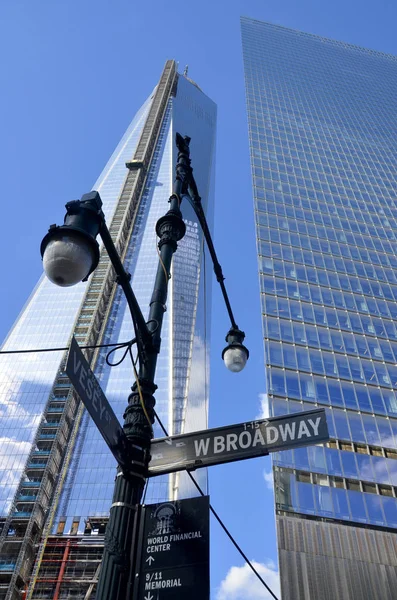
x: 175, y: 195
x: 231, y: 538
x: 120, y: 346
x: 127, y: 346
x: 167, y: 275
x: 163, y: 429
x: 63, y: 349
x: 140, y: 390
x: 144, y: 491
x: 206, y: 397
x: 221, y: 523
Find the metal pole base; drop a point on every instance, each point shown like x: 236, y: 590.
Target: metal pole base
x: 116, y: 563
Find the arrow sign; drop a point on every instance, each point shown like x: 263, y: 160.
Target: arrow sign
x: 150, y: 560
x: 95, y: 401
x: 237, y: 442
x: 149, y: 597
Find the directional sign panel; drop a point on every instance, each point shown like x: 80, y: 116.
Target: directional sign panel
x: 237, y: 442
x: 174, y: 561
x: 95, y: 401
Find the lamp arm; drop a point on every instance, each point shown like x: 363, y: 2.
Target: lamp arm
x: 142, y: 332
x: 195, y: 201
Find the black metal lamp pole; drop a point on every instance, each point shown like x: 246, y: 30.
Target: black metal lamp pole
x: 83, y: 222
x: 117, y: 559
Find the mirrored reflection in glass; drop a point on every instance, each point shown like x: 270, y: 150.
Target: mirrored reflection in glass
x: 306, y: 498
x: 323, y: 497
x: 357, y: 506
x: 340, y: 503
x: 374, y: 509
x: 390, y: 510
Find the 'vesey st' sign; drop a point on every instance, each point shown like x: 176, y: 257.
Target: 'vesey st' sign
x: 237, y: 442
x: 95, y: 401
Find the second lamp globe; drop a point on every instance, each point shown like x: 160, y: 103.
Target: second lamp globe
x: 235, y: 355
x: 235, y: 358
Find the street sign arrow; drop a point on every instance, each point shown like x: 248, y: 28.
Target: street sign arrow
x: 237, y: 442
x: 95, y: 401
x: 149, y: 596
x: 150, y: 560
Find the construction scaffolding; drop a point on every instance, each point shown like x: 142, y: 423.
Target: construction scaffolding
x: 70, y: 564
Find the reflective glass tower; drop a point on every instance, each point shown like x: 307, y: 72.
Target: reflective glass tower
x: 323, y: 128
x: 56, y: 472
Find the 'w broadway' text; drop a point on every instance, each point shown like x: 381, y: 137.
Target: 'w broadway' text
x: 263, y: 436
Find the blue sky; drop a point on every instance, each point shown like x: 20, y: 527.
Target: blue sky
x: 73, y: 73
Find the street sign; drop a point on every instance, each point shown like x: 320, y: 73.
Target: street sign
x: 95, y: 401
x: 237, y: 442
x: 174, y: 551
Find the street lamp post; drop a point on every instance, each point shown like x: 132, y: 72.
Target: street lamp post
x: 70, y: 254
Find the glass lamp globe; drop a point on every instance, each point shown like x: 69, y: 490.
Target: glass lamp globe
x: 68, y: 259
x: 235, y: 357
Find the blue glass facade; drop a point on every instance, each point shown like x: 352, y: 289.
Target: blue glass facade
x: 56, y: 471
x: 323, y: 128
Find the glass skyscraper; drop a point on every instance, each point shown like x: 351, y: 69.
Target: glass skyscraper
x: 322, y: 121
x: 56, y: 472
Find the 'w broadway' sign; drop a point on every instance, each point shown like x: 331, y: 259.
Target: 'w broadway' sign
x: 236, y: 442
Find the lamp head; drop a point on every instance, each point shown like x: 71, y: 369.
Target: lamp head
x: 70, y: 252
x: 235, y: 354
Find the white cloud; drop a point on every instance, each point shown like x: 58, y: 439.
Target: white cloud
x: 241, y: 583
x: 13, y: 456
x: 196, y: 413
x: 268, y: 477
x: 13, y: 415
x: 264, y: 404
